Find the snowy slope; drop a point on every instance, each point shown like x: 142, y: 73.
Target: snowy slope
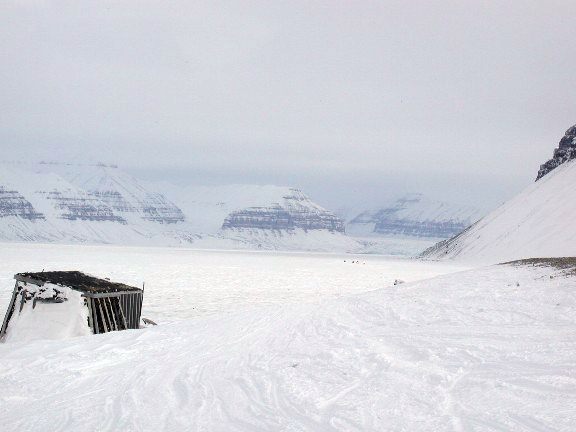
x: 484, y: 350
x: 536, y: 223
x: 414, y: 215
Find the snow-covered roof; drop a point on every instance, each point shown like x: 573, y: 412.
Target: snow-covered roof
x: 76, y: 280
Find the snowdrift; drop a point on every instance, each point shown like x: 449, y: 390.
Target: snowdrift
x: 490, y: 349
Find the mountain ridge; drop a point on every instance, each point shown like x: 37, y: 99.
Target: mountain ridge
x: 98, y: 203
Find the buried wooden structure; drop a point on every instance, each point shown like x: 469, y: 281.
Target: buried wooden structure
x: 111, y: 306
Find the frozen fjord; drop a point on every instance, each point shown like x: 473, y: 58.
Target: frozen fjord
x: 185, y: 283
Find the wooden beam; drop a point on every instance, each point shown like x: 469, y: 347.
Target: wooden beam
x: 122, y: 313
x: 107, y: 294
x: 93, y: 324
x: 107, y: 299
x: 103, y: 318
x: 9, y: 311
x: 28, y: 280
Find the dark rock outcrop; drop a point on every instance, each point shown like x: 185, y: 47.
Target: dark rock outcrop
x: 274, y: 218
x: 158, y: 209
x: 414, y: 216
x: 149, y: 206
x: 415, y: 228
x: 12, y: 203
x: 296, y: 211
x: 566, y: 151
x: 81, y: 207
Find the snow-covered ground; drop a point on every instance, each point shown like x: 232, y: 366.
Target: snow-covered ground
x: 185, y: 283
x: 489, y: 349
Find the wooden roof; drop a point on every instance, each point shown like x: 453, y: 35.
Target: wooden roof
x: 75, y: 280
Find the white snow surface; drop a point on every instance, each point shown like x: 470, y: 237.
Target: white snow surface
x: 490, y: 349
x: 49, y: 321
x: 538, y: 222
x: 185, y: 283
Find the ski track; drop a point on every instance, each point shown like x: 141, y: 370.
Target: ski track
x: 470, y: 351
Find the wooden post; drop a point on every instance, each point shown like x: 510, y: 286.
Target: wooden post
x: 9, y: 311
x: 107, y: 299
x: 122, y: 312
x: 99, y: 301
x: 93, y: 321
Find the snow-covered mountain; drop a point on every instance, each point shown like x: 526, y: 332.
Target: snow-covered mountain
x: 97, y: 203
x: 295, y: 210
x: 536, y: 223
x: 414, y: 215
x: 83, y: 203
x: 260, y: 217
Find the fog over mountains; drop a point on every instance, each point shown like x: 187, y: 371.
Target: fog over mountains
x: 414, y: 215
x: 99, y: 203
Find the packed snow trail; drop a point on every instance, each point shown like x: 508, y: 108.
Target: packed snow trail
x: 483, y: 350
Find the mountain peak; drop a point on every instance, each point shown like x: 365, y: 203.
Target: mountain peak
x: 566, y: 151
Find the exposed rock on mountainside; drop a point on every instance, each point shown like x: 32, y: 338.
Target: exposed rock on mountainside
x: 12, y: 203
x: 566, y: 151
x: 275, y: 218
x: 121, y: 192
x: 295, y: 210
x: 82, y: 206
x: 150, y: 206
x: 415, y: 216
x: 84, y: 203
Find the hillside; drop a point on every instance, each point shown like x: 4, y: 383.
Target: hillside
x: 536, y: 223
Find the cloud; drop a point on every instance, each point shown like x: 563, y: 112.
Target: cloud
x: 393, y: 92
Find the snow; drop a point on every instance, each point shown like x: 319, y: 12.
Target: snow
x: 395, y: 245
x: 535, y: 223
x: 489, y: 349
x: 283, y: 240
x: 186, y: 283
x: 49, y: 321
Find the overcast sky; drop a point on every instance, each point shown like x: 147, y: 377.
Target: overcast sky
x: 351, y: 100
